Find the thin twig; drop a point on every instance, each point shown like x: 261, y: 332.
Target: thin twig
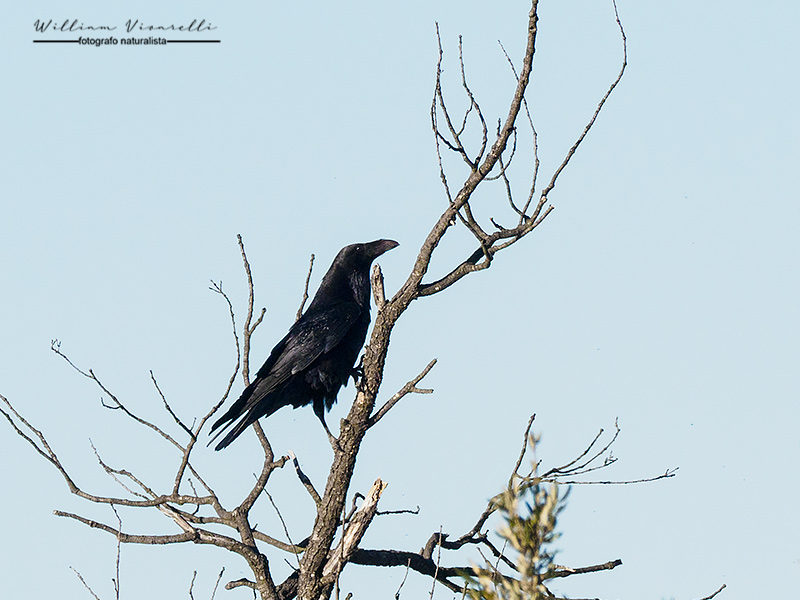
x: 581, y: 461
x: 216, y: 585
x: 83, y: 581
x: 119, y: 551
x: 589, y: 125
x: 217, y: 288
x: 402, y: 583
x: 285, y: 528
x: 535, y: 141
x: 248, y: 329
x: 472, y: 102
x: 722, y: 587
x: 666, y: 475
x: 247, y: 334
x: 114, y: 472
x: 525, y: 445
x: 305, y: 480
x: 403, y: 511
x: 305, y: 289
x: 191, y: 586
x: 118, y: 405
x: 438, y: 562
x: 168, y: 407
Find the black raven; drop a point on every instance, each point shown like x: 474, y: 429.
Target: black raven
x: 318, y: 354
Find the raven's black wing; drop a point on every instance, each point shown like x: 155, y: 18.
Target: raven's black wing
x: 316, y: 333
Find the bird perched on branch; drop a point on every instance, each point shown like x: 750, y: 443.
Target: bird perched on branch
x: 318, y: 354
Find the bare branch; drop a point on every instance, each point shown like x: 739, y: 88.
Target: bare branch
x: 119, y: 551
x: 589, y: 125
x: 722, y: 587
x: 438, y: 98
x: 567, y: 571
x: 438, y: 564
x: 86, y: 585
x: 489, y: 243
x: 402, y: 511
x: 294, y: 549
x: 535, y: 142
x: 581, y: 465
x: 408, y: 388
x: 285, y: 528
x: 402, y: 583
x: 666, y: 475
x: 167, y: 406
x: 472, y: 103
x: 579, y: 462
x: 51, y: 457
x: 45, y: 449
x: 232, y: 585
x: 525, y: 445
x: 305, y: 289
x: 126, y: 538
x: 470, y: 265
x: 247, y: 334
x: 248, y: 329
x: 114, y: 472
x: 216, y: 585
x: 56, y: 347
x: 434, y: 123
x: 305, y: 480
x: 217, y: 288
x: 268, y: 467
x: 411, y: 560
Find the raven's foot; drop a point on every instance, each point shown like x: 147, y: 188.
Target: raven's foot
x: 321, y: 416
x: 358, y: 372
x: 334, y: 441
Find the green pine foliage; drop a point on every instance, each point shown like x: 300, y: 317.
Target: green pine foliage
x: 529, y: 509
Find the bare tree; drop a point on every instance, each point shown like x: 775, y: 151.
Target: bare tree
x: 333, y: 540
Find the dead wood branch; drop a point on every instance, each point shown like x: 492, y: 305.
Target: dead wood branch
x: 353, y: 533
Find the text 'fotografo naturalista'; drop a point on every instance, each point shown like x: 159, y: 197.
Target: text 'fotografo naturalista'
x: 160, y: 34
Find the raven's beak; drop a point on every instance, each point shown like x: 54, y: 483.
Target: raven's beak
x: 378, y: 247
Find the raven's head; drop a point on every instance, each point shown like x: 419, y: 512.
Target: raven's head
x: 350, y: 271
x: 373, y: 250
x: 360, y: 256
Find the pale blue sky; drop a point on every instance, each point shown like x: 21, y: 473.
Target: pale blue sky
x: 663, y: 290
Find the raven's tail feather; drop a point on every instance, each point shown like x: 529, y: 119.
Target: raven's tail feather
x: 263, y: 407
x: 233, y: 433
x: 233, y: 413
